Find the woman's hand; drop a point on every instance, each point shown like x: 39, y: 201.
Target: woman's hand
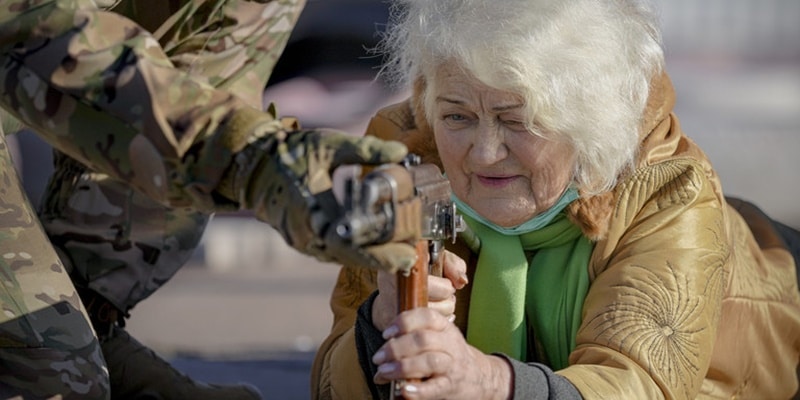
x: 424, y: 344
x: 441, y: 291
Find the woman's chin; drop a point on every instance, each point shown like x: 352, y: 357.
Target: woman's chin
x: 503, y: 215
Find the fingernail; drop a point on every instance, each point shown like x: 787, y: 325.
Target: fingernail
x: 451, y: 318
x: 390, y: 332
x: 386, y: 368
x: 463, y: 277
x: 410, y: 388
x: 379, y: 357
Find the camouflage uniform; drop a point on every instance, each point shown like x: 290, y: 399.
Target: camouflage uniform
x: 160, y: 123
x: 121, y: 243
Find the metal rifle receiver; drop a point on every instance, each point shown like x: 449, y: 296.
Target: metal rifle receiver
x: 409, y: 201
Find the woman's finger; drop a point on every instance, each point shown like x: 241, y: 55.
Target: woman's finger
x: 440, y: 289
x: 455, y: 269
x: 419, y: 366
x: 423, y: 318
x: 435, y: 387
x: 446, y: 308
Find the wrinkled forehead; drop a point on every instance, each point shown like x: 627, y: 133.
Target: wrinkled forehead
x: 451, y: 81
x: 476, y: 75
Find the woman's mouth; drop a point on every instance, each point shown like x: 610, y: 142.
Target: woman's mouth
x: 495, y: 182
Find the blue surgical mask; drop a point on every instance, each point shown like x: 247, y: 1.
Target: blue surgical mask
x: 537, y: 222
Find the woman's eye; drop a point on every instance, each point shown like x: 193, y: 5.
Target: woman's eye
x: 456, y: 121
x: 515, y: 125
x: 454, y: 117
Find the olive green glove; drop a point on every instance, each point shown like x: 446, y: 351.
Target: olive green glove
x: 285, y: 178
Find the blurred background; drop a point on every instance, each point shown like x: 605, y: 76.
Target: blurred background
x: 249, y: 309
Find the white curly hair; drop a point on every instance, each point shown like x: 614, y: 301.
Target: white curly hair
x: 582, y: 66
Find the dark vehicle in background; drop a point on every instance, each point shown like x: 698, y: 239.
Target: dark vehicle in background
x: 333, y: 36
x: 326, y: 76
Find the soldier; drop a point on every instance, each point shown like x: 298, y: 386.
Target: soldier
x: 157, y: 124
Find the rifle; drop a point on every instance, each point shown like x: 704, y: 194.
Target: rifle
x: 408, y: 202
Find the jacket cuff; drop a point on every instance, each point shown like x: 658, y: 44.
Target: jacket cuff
x: 537, y: 381
x: 368, y: 340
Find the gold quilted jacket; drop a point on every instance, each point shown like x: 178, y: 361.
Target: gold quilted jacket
x: 691, y: 296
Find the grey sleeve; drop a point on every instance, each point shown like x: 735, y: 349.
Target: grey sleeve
x: 535, y: 381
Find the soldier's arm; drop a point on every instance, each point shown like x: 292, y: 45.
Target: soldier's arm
x: 100, y: 88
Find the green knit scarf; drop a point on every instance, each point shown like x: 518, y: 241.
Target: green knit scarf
x: 512, y: 298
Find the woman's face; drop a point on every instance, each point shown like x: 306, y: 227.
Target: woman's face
x: 494, y: 164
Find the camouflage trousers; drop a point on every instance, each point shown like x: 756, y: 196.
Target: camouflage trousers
x: 47, y: 344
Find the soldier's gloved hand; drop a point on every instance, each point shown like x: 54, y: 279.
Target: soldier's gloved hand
x: 286, y: 179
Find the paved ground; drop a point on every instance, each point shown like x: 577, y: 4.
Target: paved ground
x: 281, y: 376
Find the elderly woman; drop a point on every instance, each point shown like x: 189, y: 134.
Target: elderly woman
x: 609, y: 263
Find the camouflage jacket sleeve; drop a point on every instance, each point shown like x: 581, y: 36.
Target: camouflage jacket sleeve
x: 102, y: 89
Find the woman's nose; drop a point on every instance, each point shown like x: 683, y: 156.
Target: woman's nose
x: 489, y: 144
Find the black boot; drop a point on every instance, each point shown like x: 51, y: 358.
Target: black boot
x: 136, y: 372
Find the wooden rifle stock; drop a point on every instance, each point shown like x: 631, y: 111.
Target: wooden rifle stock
x: 412, y: 288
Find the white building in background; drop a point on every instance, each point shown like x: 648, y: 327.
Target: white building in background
x: 765, y: 30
